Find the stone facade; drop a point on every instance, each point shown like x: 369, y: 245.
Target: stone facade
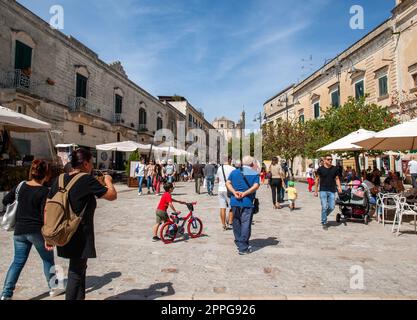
x: 382, y: 65
x: 48, y: 90
x: 228, y: 128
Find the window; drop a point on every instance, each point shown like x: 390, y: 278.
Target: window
x: 222, y: 126
x: 359, y: 89
x: 142, y: 117
x: 81, y: 86
x: 190, y: 118
x: 317, y: 110
x: 301, y: 119
x: 118, y: 104
x: 335, y: 97
x: 415, y: 80
x: 159, y: 123
x: 118, y: 137
x: 81, y: 129
x: 23, y: 56
x: 383, y: 86
x: 19, y: 109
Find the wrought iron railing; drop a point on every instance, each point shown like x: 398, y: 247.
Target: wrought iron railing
x: 16, y: 79
x: 80, y: 104
x: 117, y: 118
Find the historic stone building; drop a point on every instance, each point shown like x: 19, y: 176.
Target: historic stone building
x: 194, y: 119
x: 382, y: 65
x: 51, y: 76
x: 228, y: 128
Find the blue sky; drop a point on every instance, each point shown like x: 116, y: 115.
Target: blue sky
x: 220, y: 54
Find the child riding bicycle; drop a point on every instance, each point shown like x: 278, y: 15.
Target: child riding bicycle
x: 161, y: 212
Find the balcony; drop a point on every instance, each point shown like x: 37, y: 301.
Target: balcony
x: 142, y: 128
x: 17, y: 79
x: 117, y: 119
x: 80, y: 104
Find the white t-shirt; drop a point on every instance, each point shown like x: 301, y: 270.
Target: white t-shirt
x: 227, y: 171
x: 310, y: 173
x: 140, y: 170
x: 412, y: 165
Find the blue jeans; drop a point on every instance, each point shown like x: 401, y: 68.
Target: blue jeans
x: 414, y: 180
x: 328, y: 204
x: 242, y: 227
x: 140, y: 182
x: 170, y: 179
x: 210, y: 184
x: 149, y: 183
x: 22, y: 246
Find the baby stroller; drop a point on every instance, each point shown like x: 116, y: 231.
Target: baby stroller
x: 353, y: 203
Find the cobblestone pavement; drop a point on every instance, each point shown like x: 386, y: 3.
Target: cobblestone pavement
x: 293, y: 259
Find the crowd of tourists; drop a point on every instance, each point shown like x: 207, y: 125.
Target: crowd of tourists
x: 238, y: 183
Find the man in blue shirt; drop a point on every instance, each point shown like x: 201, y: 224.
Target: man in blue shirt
x: 244, y: 193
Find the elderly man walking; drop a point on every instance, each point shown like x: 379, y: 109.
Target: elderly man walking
x: 243, y: 184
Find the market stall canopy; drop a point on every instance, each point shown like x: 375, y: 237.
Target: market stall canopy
x: 172, y: 151
x: 348, y: 143
x: 402, y: 137
x: 66, y: 145
x: 125, y: 146
x: 18, y: 122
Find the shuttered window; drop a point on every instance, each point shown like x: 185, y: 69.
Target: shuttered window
x: 81, y: 87
x: 118, y: 104
x: 23, y: 56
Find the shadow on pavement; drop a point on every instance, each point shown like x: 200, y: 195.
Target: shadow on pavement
x: 94, y: 283
x: 155, y: 291
x: 187, y: 238
x: 259, y: 244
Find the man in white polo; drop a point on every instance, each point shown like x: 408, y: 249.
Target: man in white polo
x: 223, y: 173
x: 412, y: 169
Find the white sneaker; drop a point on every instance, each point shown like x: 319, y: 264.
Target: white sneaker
x: 56, y: 292
x: 3, y: 298
x: 139, y: 193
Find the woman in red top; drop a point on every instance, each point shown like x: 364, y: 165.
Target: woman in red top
x: 161, y: 212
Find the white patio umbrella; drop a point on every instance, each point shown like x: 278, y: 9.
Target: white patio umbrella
x: 348, y: 143
x: 124, y: 146
x: 402, y: 137
x: 18, y: 122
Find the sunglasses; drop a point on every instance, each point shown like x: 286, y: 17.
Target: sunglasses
x: 329, y: 159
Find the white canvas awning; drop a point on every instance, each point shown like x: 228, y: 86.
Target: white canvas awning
x: 125, y: 146
x: 348, y: 143
x: 18, y: 122
x: 66, y: 145
x: 402, y: 137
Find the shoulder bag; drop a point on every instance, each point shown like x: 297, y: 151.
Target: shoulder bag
x: 255, y: 200
x: 9, y: 219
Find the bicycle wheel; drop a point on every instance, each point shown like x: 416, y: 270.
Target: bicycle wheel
x: 195, y: 228
x: 169, y: 232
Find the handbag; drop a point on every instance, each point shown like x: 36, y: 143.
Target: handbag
x: 255, y: 200
x: 9, y: 219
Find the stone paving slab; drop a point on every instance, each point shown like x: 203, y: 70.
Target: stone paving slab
x: 293, y: 259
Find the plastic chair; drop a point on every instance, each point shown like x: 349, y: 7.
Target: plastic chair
x: 407, y: 210
x: 383, y: 200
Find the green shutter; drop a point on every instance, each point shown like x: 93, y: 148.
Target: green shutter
x: 317, y: 110
x: 383, y: 86
x: 81, y: 87
x: 359, y: 90
x: 119, y: 104
x: 23, y: 56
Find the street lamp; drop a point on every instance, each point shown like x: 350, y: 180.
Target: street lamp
x: 258, y: 117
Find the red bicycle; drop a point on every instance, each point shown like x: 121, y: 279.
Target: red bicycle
x: 175, y: 226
